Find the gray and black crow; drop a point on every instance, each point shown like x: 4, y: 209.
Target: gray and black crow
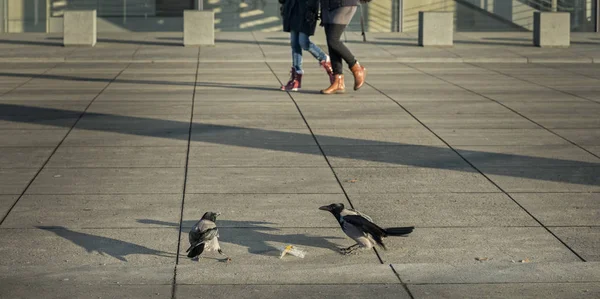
x: 361, y: 228
x: 204, y: 236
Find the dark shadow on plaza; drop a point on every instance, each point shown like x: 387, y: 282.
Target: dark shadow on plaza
x: 435, y: 157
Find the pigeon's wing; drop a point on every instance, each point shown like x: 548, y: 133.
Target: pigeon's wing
x: 366, y: 226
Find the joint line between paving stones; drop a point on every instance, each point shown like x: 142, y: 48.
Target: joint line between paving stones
x: 187, y: 163
x: 539, y: 84
x: 468, y: 162
x: 262, y: 51
x: 60, y: 143
x: 29, y: 80
x: 519, y: 114
x: 404, y: 285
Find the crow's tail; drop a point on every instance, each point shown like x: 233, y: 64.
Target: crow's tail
x: 195, y: 251
x: 399, y: 231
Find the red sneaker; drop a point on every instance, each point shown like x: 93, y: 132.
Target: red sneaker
x: 295, y: 82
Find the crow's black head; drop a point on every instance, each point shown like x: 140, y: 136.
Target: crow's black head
x: 334, y: 208
x: 212, y: 216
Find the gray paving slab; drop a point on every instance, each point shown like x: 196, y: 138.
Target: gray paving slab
x: 203, y: 134
x: 581, y: 136
x: 566, y: 121
x: 81, y: 157
x: 297, y: 291
x: 583, y: 240
x: 382, y: 136
x: 142, y: 109
x: 393, y: 156
x: 562, y: 209
x: 174, y: 134
x: 258, y: 121
x: 56, y: 290
x: 24, y: 157
x: 497, y: 244
x: 243, y: 108
x: 413, y: 179
x: 528, y: 156
x: 260, y: 211
x: 442, y: 210
x: 94, y: 211
x: 509, y: 290
x: 29, y: 95
x: 261, y: 180
x: 552, y: 272
x: 31, y: 138
x: 567, y: 107
x: 548, y: 179
x: 108, y: 181
x: 145, y: 96
x: 14, y: 181
x: 501, y: 137
x: 242, y: 94
x: 476, y: 121
x: 68, y: 247
x: 150, y: 126
x: 113, y: 276
x: 274, y: 156
x: 454, y: 107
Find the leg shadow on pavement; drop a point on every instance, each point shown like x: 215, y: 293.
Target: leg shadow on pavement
x: 103, y: 245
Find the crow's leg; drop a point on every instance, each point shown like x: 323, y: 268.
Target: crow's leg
x: 350, y: 249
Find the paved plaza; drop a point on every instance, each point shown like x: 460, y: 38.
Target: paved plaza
x: 108, y: 156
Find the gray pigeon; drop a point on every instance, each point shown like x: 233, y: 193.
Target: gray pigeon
x: 361, y: 228
x: 204, y: 236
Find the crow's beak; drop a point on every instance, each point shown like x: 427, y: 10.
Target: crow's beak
x: 325, y: 208
x: 218, y: 213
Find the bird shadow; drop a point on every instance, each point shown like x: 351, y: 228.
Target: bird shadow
x: 104, y: 245
x: 256, y: 236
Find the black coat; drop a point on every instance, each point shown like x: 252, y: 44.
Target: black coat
x: 300, y: 15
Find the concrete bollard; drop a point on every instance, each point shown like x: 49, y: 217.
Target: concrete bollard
x: 198, y: 28
x: 436, y: 28
x: 79, y: 28
x: 551, y: 29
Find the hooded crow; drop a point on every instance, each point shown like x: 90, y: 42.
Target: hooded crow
x: 204, y: 236
x: 361, y: 228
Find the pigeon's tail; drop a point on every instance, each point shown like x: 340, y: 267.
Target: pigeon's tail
x: 399, y: 231
x: 195, y: 251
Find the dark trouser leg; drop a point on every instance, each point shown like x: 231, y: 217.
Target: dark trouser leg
x: 337, y: 49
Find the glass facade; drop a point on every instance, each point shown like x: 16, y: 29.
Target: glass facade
x: 263, y: 15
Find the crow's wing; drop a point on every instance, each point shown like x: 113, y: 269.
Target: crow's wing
x: 361, y: 214
x: 366, y: 226
x: 203, y: 230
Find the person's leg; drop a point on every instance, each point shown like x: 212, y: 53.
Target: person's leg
x: 296, y: 51
x: 313, y: 49
x: 295, y: 81
x: 337, y: 84
x: 334, y: 33
x: 309, y: 46
x: 336, y: 60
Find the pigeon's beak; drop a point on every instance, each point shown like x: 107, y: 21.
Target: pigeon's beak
x: 324, y: 208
